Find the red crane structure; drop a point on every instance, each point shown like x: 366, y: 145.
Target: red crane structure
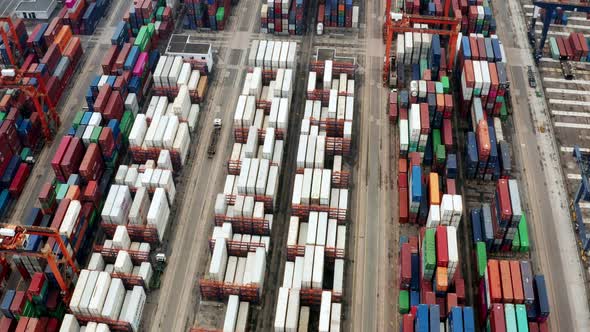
x: 405, y: 24
x: 18, y: 81
x: 13, y: 237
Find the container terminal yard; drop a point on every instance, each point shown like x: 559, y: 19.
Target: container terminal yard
x: 294, y: 165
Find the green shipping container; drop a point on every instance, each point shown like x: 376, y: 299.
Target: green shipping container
x: 503, y: 111
x: 516, y: 243
x: 112, y: 164
x: 521, y: 318
x: 438, y: 87
x: 440, y: 154
x: 429, y: 251
x: 435, y: 138
x: 523, y: 233
x: 510, y: 317
x: 423, y: 67
x: 77, y: 119
x: 404, y: 302
x: 445, y: 83
x: 2, y: 116
x: 220, y: 14
x: 92, y: 218
x: 554, y: 48
x: 159, y: 13
x: 26, y: 152
x: 62, y: 191
x: 151, y: 29
x: 95, y: 135
x: 482, y: 258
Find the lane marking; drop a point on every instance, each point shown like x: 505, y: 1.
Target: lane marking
x: 574, y: 176
x: 569, y: 102
x: 574, y: 114
x: 569, y: 149
x: 568, y: 91
x: 572, y: 125
x: 563, y: 80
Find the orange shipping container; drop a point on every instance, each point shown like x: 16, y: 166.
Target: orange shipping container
x: 507, y: 296
x: 517, y: 289
x: 73, y: 193
x: 202, y: 86
x: 442, y: 282
x: 63, y: 37
x: 494, y: 280
x: 434, y: 193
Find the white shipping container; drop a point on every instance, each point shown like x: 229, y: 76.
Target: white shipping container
x: 446, y: 209
x: 327, y: 81
x: 297, y: 189
x: 433, y: 216
x: 87, y: 294
x: 293, y: 305
x: 251, y: 184
x: 252, y: 53
x: 159, y: 212
x: 242, y: 321
x: 291, y: 61
x: 249, y: 112
x: 251, y: 147
x: 114, y: 300
x: 96, y: 262
x: 335, y: 317
x: 269, y: 143
x: 139, y: 207
x: 320, y: 151
x: 262, y: 176
x: 167, y: 183
x: 170, y: 132
x: 284, y: 47
x: 123, y: 263
x: 130, y: 177
x: 70, y: 218
x: 247, y: 83
x: 134, y: 311
x: 260, y: 54
x: 185, y: 73
x: 310, y: 152
x: 281, y: 311
x: 175, y: 71
x: 302, y: 151
x: 121, y: 238
x: 332, y: 230
x: 318, y: 267
x: 311, y: 83
x: 272, y: 184
x: 322, y: 229
x: 193, y: 80
x: 293, y: 232
x: 158, y: 71
x: 308, y: 268
x: 270, y: 45
x: 69, y: 324
x: 288, y: 274
x: 338, y: 284
x: 325, y: 306
x: 182, y: 141
x: 316, y: 186
x: 100, y: 294
x: 78, y: 291
x: 312, y: 227
x: 298, y: 272
x: 231, y: 314
x: 218, y: 260
x: 164, y: 160
x: 306, y: 188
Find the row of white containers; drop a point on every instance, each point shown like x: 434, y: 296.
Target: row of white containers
x: 342, y: 85
x: 260, y: 164
x: 448, y: 213
x: 247, y: 115
x: 70, y: 324
x: 172, y: 72
x: 272, y: 54
x: 313, y: 187
x: 411, y: 47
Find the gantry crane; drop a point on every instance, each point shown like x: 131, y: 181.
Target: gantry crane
x: 6, y: 39
x: 405, y: 25
x: 550, y: 6
x: 13, y: 237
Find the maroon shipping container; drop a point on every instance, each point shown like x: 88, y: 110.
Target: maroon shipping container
x: 574, y: 42
x: 109, y: 60
x: 447, y: 134
x: 18, y: 303
x: 119, y: 85
x: 7, y: 324
x: 122, y: 57
x: 106, y: 142
x: 74, y: 51
x: 414, y: 158
x: 504, y: 199
x: 5, y: 155
x: 442, y: 251
x: 51, y: 58
x: 584, y: 44
x: 460, y: 289
x: 60, y: 213
x: 403, y: 205
x: 402, y: 180
x: 114, y: 107
x: 22, y: 324
x: 427, y: 75
x: 533, y: 327
x: 430, y: 87
x: 104, y: 92
x: 91, y: 194
x: 408, y: 323
x: 448, y: 106
x: 9, y: 134
x: 20, y: 179
x: 497, y: 322
x: 57, y: 157
x: 36, y: 324
x: 568, y: 48
x: 52, y: 325
x: 481, y: 46
x: 429, y: 298
x: 474, y: 48
x: 72, y: 158
x: 92, y: 165
x: 52, y: 30
x: 424, y: 119
x: 451, y: 189
x: 544, y: 327
x: 406, y: 266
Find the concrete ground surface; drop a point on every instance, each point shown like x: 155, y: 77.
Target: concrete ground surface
x: 554, y: 249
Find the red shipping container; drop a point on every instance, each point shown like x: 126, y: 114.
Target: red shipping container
x: 415, y: 159
x: 402, y: 180
x: 451, y: 190
x: 403, y: 205
x: 74, y: 50
x: 474, y: 48
x: 72, y: 158
x: 104, y: 92
x: 9, y: 134
x: 447, y: 134
x: 36, y: 324
x: 517, y: 288
x: 106, y: 142
x: 60, y: 213
x: 544, y: 327
x: 114, y: 107
x: 413, y: 241
x: 406, y: 266
x: 109, y: 60
x: 92, y: 165
x: 408, y: 323
x: 57, y: 157
x: 495, y: 283
x: 568, y: 48
x: 52, y: 30
x: 35, y: 286
x: 51, y: 57
x: 430, y: 87
x: 7, y: 324
x: 481, y: 45
x: 429, y: 298
x: 507, y: 296
x: 18, y: 303
x: 483, y: 140
x: 52, y: 325
x: 533, y: 327
x: 92, y: 194
x: 448, y: 106
x: 5, y: 155
x: 424, y: 119
x: 442, y: 250
x: 451, y: 302
x: 584, y: 44
x: 122, y: 57
x: 22, y: 324
x: 20, y: 179
x: 460, y: 290
x: 497, y: 322
x: 504, y: 199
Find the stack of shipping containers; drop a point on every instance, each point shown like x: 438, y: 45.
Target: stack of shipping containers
x: 211, y: 14
x: 283, y: 17
x: 131, y: 203
x: 82, y: 15
x: 422, y: 105
x: 244, y: 211
x: 313, y: 277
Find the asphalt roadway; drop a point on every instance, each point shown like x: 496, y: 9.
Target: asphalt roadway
x: 554, y: 248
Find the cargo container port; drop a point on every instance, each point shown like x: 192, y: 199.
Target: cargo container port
x: 189, y: 212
